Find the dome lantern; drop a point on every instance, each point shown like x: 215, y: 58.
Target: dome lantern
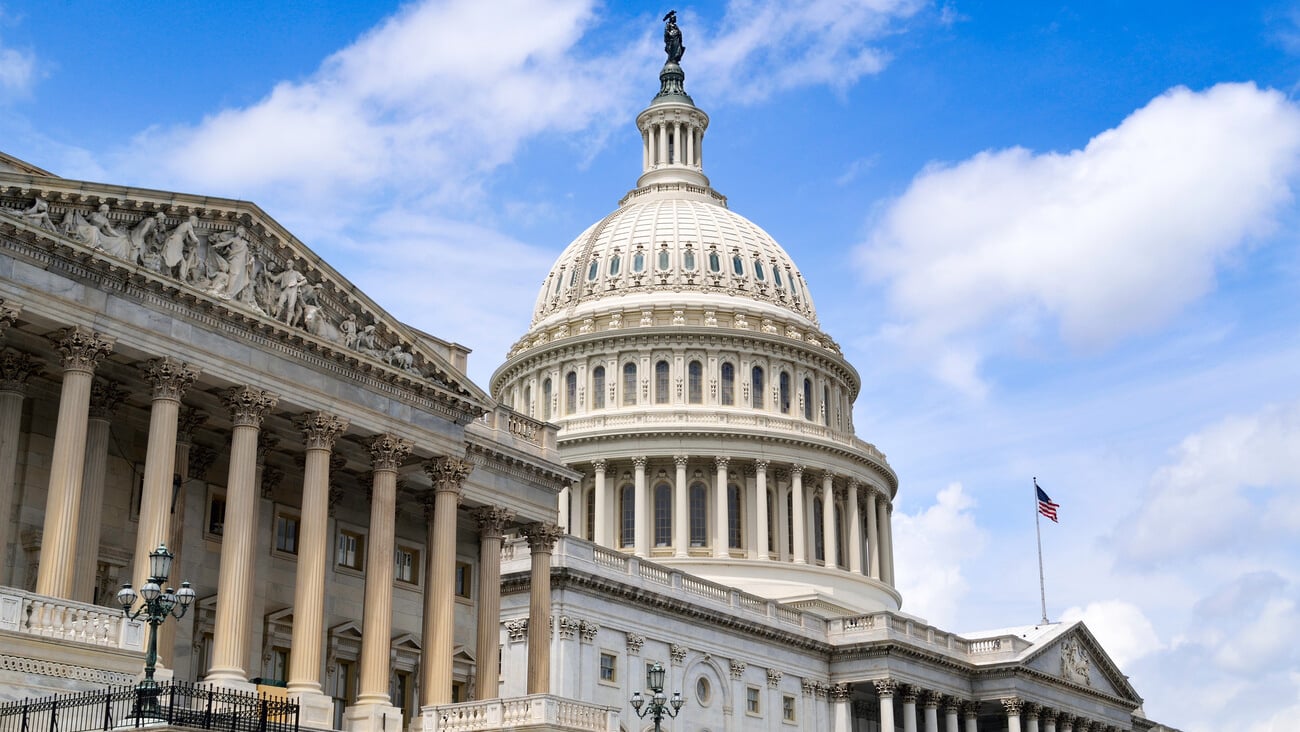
x: 672, y: 127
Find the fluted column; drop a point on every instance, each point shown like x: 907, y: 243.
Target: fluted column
x: 169, y: 379
x: 105, y: 396
x: 640, y: 508
x: 1012, y: 706
x: 681, y: 510
x: 761, y: 508
x: 910, y: 693
x: 971, y: 712
x: 886, y: 543
x: 855, y: 528
x: 15, y: 369
x: 797, y: 518
x: 491, y: 527
x: 541, y: 542
x: 319, y: 431
x: 830, y: 537
x: 387, y: 452
x: 237, y: 574
x: 661, y: 128
x: 81, y: 350
x: 950, y: 709
x: 932, y: 699
x: 841, y: 718
x: 885, y: 689
x: 188, y: 420
x: 873, y: 537
x: 1031, y: 716
x: 721, y: 545
x: 448, y: 474
x: 601, y: 522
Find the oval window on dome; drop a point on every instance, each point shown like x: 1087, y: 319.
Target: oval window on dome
x: 593, y: 270
x: 615, y: 263
x: 638, y: 262
x: 759, y: 274
x: 663, y: 259
x: 737, y: 265
x: 776, y: 276
x: 688, y: 261
x: 715, y: 262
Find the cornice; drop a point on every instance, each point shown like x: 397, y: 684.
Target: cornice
x: 550, y: 476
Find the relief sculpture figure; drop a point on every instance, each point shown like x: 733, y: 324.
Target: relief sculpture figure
x: 180, y: 247
x: 38, y: 214
x: 290, y: 281
x: 236, y: 263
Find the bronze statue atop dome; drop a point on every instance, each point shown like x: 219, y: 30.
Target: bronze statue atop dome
x: 673, y: 38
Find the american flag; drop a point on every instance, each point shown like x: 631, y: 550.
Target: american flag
x: 1045, y: 505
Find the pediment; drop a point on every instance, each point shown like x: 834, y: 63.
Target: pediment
x: 231, y: 259
x: 406, y: 641
x: 346, y: 629
x: 1075, y: 657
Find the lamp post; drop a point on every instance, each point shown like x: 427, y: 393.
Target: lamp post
x: 157, y: 606
x: 658, y: 704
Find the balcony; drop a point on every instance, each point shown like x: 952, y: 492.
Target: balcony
x: 536, y: 713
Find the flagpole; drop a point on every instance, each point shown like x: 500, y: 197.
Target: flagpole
x: 1042, y: 588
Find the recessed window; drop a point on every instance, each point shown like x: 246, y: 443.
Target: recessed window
x: 638, y: 262
x: 615, y: 264
x: 787, y: 708
x: 629, y: 383
x: 695, y: 382
x: 664, y: 259
x: 559, y: 280
x: 752, y: 700
x: 406, y: 565
x: 737, y: 265
x: 776, y: 276
x: 715, y: 262
x: 807, y: 400
x: 216, y: 514
x: 661, y: 382
x: 570, y: 392
x: 756, y: 386
x: 728, y: 385
x: 464, y: 580
x: 702, y: 690
x: 663, y: 515
x: 608, y: 668
x: 279, y: 668
x: 573, y: 277
x: 785, y: 392
x: 734, y: 536
x: 688, y: 260
x: 593, y: 270
x: 627, y: 515
x: 699, y: 509
x: 758, y: 271
x: 598, y: 387
x: 286, y: 532
x: 351, y: 549
x: 546, y: 399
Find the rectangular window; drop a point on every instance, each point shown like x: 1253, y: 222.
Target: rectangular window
x: 464, y: 580
x: 286, y: 533
x: 351, y: 549
x: 406, y: 565
x: 216, y: 514
x: 751, y: 700
x: 787, y: 708
x: 608, y: 668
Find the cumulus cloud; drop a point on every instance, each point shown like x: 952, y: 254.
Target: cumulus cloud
x: 932, y: 546
x: 1121, y: 628
x: 1232, y: 484
x: 1095, y: 244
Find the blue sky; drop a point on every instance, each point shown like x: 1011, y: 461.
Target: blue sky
x: 1056, y: 239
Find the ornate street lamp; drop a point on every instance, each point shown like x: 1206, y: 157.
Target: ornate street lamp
x: 658, y: 704
x: 157, y: 606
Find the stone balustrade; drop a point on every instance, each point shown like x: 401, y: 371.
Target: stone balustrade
x: 77, y: 622
x: 535, y: 712
x: 889, y: 626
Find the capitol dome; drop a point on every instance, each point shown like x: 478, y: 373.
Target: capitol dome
x: 675, y: 345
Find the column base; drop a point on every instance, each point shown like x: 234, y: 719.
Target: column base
x: 372, y: 718
x: 231, y: 681
x: 314, y: 709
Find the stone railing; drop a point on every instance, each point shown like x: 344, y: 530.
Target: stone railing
x: 523, y: 428
x: 78, y: 622
x: 536, y: 712
x: 888, y: 626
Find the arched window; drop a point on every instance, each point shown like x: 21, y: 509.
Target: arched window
x: 591, y: 515
x: 826, y: 406
x: 728, y: 384
x: 734, y: 522
x: 756, y: 387
x: 661, y: 382
x: 688, y: 260
x: 807, y: 400
x: 571, y: 392
x: 776, y: 276
x: 737, y: 265
x: 638, y: 262
x: 819, y: 534
x: 627, y: 516
x: 715, y: 262
x: 695, y: 382
x: 785, y: 392
x: 546, y: 400
x: 758, y: 271
x: 528, y: 401
x: 598, y: 387
x: 615, y: 264
x: 664, y: 259
x: 699, y: 515
x: 629, y: 383
x: 593, y: 269
x: 663, y: 515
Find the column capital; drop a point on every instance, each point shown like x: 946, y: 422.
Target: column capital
x: 1013, y: 705
x: 760, y: 465
x: 1047, y: 714
x: 1082, y: 725
x: 1032, y: 710
x: 169, y: 377
x: 841, y: 692
x: 680, y: 460
x: 541, y: 536
x: 388, y: 451
x: 639, y: 462
x: 16, y: 368
x: 448, y: 473
x: 105, y: 397
x: 796, y: 470
x: 951, y: 705
x: 598, y: 465
x: 910, y: 694
x: 970, y: 709
x: 885, y: 688
x: 932, y: 699
x: 81, y: 347
x: 319, y: 429
x: 492, y: 520
x: 721, y: 462
x: 248, y: 404
x: 189, y: 419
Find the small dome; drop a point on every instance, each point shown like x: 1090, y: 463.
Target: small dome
x: 676, y: 239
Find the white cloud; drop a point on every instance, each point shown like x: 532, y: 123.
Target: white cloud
x: 1121, y: 628
x: 1101, y: 243
x: 931, y: 548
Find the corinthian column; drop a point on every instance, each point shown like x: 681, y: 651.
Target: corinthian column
x: 447, y: 474
x: 797, y: 518
x: 491, y: 526
x: 885, y: 689
x: 15, y: 369
x: 830, y: 537
x: 950, y: 709
x: 319, y: 431
x: 840, y: 717
x: 1031, y: 716
x: 873, y: 537
x: 169, y: 379
x: 761, y: 508
x: 681, y: 510
x: 932, y: 699
x: 910, y: 693
x: 600, y: 523
x: 541, y: 542
x: 82, y: 351
x: 887, y: 542
x: 186, y: 423
x: 855, y: 529
x: 237, y: 574
x: 105, y: 397
x: 971, y: 712
x: 641, y: 509
x: 721, y: 543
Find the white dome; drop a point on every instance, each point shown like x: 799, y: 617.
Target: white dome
x: 681, y: 240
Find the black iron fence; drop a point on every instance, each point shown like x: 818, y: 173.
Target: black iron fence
x: 174, y: 703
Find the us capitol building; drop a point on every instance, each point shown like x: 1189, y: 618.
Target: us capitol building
x: 664, y: 470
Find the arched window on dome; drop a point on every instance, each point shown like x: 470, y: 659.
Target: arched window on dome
x: 663, y: 515
x: 735, y: 518
x: 826, y: 406
x: 661, y: 382
x: 664, y: 260
x: 819, y: 534
x: 627, y: 516
x: 629, y: 383
x: 807, y: 400
x: 759, y: 274
x: 728, y: 384
x: 546, y: 400
x: 615, y: 265
x: 756, y: 387
x: 598, y: 387
x: 785, y: 392
x: 593, y: 270
x: 699, y: 501
x: 776, y: 276
x: 688, y: 260
x: 591, y: 515
x: 571, y: 392
x: 715, y: 262
x: 695, y: 382
x: 737, y: 265
x: 638, y: 262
